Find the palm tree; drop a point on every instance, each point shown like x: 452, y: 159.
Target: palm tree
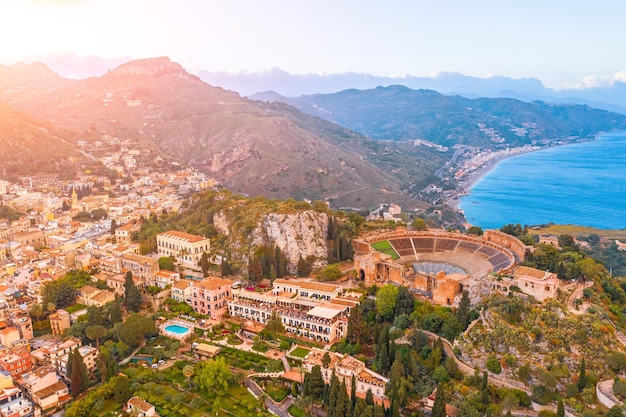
x: 188, y: 372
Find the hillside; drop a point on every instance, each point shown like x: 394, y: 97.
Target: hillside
x: 251, y: 147
x: 399, y: 113
x: 28, y: 144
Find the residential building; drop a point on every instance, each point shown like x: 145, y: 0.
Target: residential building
x: 53, y: 350
x: 210, y: 295
x: 143, y: 267
x: 90, y: 357
x: 184, y: 247
x: 21, y: 320
x: 17, y: 362
x: 181, y: 291
x: 59, y: 321
x: 137, y: 407
x: 8, y: 336
x: 305, y: 289
x: 92, y: 296
x: 164, y: 278
x: 124, y: 233
x: 345, y: 367
x: 303, y: 317
x: 13, y: 403
x: 44, y: 387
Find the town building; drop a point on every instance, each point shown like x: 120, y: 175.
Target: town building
x: 184, y: 247
x: 14, y: 404
x: 143, y: 267
x: 124, y: 233
x: 137, y: 407
x: 90, y: 358
x: 164, y: 278
x: 92, y: 296
x: 17, y: 362
x: 44, y: 387
x: 59, y: 321
x: 181, y: 291
x: 210, y: 296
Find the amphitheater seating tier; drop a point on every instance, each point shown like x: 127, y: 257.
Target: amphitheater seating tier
x: 474, y: 257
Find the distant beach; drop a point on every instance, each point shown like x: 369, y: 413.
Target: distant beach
x: 581, y: 183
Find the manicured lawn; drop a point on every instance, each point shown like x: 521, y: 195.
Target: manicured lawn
x: 385, y: 247
x: 300, y: 352
x: 110, y: 406
x: 296, y: 412
x: 75, y: 308
x: 244, y: 360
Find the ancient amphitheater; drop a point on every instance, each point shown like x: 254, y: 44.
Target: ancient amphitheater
x: 430, y: 252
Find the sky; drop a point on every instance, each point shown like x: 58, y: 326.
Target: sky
x: 564, y: 43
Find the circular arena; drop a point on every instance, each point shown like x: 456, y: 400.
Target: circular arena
x: 433, y: 251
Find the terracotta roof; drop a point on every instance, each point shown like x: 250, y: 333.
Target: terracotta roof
x: 532, y: 272
x: 51, y: 390
x: 313, y: 286
x: 140, y: 404
x: 182, y: 284
x: 173, y: 234
x: 212, y: 283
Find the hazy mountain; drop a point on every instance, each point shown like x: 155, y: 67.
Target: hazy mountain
x: 612, y: 98
x: 400, y: 113
x: 23, y: 82
x: 252, y: 147
x: 30, y: 146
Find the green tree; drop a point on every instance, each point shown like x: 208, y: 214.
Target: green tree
x: 213, y: 374
x: 560, y: 410
x: 493, y: 365
x: 96, y: 333
x: 274, y: 324
x: 582, y: 377
x: 439, y: 407
x: 166, y: 263
x: 615, y: 411
x: 135, y: 329
x: 356, y: 326
x: 132, y: 296
x: 386, y: 301
x: 108, y: 363
x: 114, y: 312
x: 304, y: 267
x: 122, y: 391
x: 326, y: 360
x: 475, y: 230
x: 204, y: 264
x: 316, y: 383
x: 113, y: 226
x: 188, y: 372
x: 462, y: 313
x: 79, y: 377
x: 419, y: 224
x: 331, y: 273
x: 405, y: 302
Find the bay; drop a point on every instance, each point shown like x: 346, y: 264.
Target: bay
x: 583, y: 184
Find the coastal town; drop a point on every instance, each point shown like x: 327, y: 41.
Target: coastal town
x: 87, y: 224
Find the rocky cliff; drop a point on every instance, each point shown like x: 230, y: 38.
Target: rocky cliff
x: 298, y: 235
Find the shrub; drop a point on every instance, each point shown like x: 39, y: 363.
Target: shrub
x: 493, y: 365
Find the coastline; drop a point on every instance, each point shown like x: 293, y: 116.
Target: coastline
x: 466, y: 184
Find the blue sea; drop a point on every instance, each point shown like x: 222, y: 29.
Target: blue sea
x: 583, y: 184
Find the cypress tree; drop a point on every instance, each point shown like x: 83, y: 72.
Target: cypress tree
x: 79, y: 377
x: 462, y: 313
x: 439, y: 407
x: 560, y: 410
x: 582, y: 377
x: 369, y: 397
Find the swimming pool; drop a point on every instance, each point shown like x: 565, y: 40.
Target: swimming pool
x: 177, y: 331
x: 175, y: 328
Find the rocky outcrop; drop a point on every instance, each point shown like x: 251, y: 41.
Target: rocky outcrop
x: 298, y: 235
